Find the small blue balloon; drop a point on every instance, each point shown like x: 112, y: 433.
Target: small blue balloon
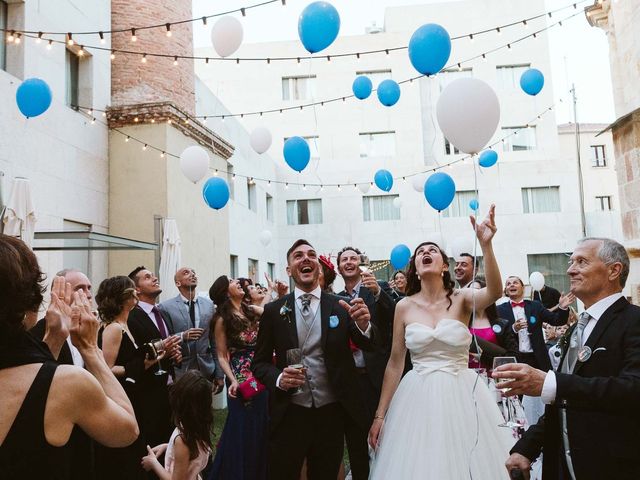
x: 296, y: 153
x: 383, y: 180
x: 33, y: 97
x: 388, y: 92
x: 429, y: 48
x: 400, y: 255
x: 488, y: 158
x: 473, y: 204
x: 532, y: 81
x: 215, y: 192
x: 362, y: 87
x: 318, y: 26
x: 439, y: 190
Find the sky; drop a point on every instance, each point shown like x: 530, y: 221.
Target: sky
x: 579, y: 53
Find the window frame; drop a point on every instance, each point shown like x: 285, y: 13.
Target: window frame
x: 530, y: 203
x: 596, y: 161
x: 310, y: 90
x: 369, y: 200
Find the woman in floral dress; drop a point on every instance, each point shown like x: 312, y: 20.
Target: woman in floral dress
x: 242, y: 451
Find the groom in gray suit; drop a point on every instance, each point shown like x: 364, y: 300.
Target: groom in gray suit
x: 191, y: 316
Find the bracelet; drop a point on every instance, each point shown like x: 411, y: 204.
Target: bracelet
x: 381, y: 417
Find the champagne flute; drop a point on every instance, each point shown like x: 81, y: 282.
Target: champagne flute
x: 365, y: 263
x: 294, y: 360
x: 498, y: 361
x: 158, y: 347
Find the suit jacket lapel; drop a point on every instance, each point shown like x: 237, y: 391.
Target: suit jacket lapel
x: 182, y: 308
x: 509, y: 312
x: 325, y: 310
x: 291, y: 319
x: 527, y: 311
x: 601, y: 325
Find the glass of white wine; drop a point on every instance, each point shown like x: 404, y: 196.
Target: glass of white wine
x: 509, y: 422
x: 294, y: 360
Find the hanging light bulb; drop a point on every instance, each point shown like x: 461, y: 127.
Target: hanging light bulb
x: 144, y: 58
x: 39, y: 39
x: 168, y: 27
x: 69, y: 39
x: 101, y: 35
x: 133, y: 35
x: 50, y: 45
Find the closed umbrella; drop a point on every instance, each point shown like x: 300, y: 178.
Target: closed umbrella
x: 20, y: 214
x: 170, y: 259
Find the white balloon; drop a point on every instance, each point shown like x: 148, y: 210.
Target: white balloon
x: 463, y: 244
x: 397, y: 202
x: 468, y: 113
x: 364, y: 187
x: 265, y: 237
x: 194, y: 163
x: 260, y: 139
x: 226, y: 36
x: 418, y: 182
x: 536, y: 279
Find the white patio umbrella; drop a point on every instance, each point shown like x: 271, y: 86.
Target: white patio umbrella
x: 170, y: 259
x: 20, y: 214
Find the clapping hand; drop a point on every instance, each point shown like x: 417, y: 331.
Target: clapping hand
x: 84, y: 323
x: 566, y: 300
x: 150, y: 460
x: 487, y: 228
x: 58, y: 316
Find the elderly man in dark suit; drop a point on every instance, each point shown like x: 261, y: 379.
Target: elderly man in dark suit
x: 309, y: 422
x: 590, y: 427
x: 190, y: 316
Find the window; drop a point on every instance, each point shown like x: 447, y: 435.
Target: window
x: 299, y: 88
x: 554, y: 268
x: 252, y: 202
x: 269, y: 201
x: 541, y: 199
x: 598, y: 157
x: 271, y: 270
x: 460, y: 205
x: 523, y: 138
x: 78, y: 259
x: 3, y: 25
x: 509, y: 76
x: 376, y: 76
x: 231, y: 180
x: 72, y: 72
x: 233, y: 266
x: 377, y: 144
x: 78, y: 78
x: 304, y: 212
x: 447, y: 76
x: 379, y: 207
x: 603, y: 203
x: 252, y: 270
x: 450, y: 149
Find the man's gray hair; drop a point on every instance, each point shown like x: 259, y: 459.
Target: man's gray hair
x: 612, y: 252
x: 66, y: 271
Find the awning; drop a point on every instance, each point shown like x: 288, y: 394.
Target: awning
x: 83, y: 240
x: 619, y: 121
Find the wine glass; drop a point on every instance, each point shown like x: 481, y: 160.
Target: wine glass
x: 158, y: 347
x: 365, y: 263
x: 506, y: 407
x: 294, y: 360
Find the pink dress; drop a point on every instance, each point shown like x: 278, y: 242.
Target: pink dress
x: 195, y: 466
x: 487, y: 334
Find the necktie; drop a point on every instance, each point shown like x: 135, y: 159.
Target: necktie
x: 192, y: 312
x: 159, y: 322
x: 305, y: 300
x: 575, y: 343
x: 518, y: 304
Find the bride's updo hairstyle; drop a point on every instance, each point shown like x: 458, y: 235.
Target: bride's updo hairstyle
x: 413, y: 282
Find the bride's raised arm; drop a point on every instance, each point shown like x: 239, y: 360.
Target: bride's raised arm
x: 482, y: 298
x: 393, y: 372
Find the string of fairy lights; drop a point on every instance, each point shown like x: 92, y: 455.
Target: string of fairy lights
x: 321, y: 103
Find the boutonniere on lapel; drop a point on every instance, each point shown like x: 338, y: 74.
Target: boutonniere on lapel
x: 563, y: 341
x: 285, y: 311
x: 333, y: 321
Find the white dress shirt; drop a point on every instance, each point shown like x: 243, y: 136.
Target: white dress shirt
x: 595, y: 311
x: 524, y: 342
x: 196, y: 306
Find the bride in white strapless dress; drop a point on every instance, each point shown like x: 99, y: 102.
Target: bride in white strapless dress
x: 440, y: 422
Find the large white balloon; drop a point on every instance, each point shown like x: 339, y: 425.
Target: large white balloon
x: 418, y: 182
x: 194, y: 163
x: 536, y: 279
x: 265, y: 237
x: 397, y: 202
x: 468, y: 113
x: 226, y: 36
x: 260, y: 139
x: 364, y: 187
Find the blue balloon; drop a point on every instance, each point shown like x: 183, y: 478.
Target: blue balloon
x: 33, y: 97
x: 473, y: 204
x: 439, y: 190
x: 400, y: 255
x: 388, y: 92
x: 488, y: 158
x: 215, y: 192
x: 318, y: 26
x: 532, y: 81
x: 296, y: 153
x: 362, y: 87
x: 429, y: 48
x: 383, y: 180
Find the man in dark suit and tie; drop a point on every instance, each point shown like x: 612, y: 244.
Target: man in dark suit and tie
x: 309, y: 422
x: 147, y: 324
x: 370, y: 365
x: 590, y: 427
x: 190, y: 316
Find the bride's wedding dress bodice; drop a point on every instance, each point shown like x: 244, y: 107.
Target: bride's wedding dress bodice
x: 443, y: 348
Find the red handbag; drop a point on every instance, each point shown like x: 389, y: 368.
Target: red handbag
x: 250, y: 388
